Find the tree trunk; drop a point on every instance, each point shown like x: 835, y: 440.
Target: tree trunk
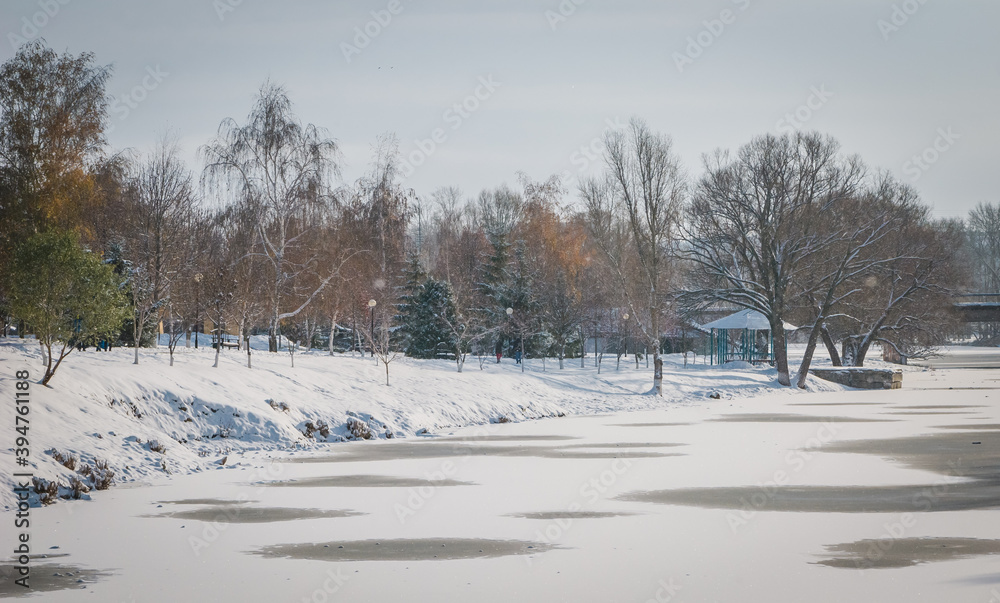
x: 814, y: 334
x: 866, y: 345
x: 562, y: 354
x: 831, y: 347
x: 654, y: 321
x: 218, y: 346
x: 51, y: 369
x: 333, y: 331
x: 780, y: 353
x: 136, y: 337
x: 47, y: 360
x: 848, y: 351
x: 248, y: 352
x: 583, y: 348
x: 171, y: 356
x: 386, y: 373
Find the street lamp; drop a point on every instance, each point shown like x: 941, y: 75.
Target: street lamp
x: 520, y: 334
x: 371, y: 304
x: 197, y: 306
x: 510, y: 313
x: 625, y: 337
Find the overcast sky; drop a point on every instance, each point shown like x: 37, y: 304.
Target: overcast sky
x: 510, y: 85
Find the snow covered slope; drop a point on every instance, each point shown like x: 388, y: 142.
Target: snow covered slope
x: 151, y: 420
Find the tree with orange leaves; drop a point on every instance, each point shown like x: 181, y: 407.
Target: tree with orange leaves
x: 52, y: 117
x: 53, y: 112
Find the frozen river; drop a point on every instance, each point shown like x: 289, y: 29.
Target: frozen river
x: 889, y: 495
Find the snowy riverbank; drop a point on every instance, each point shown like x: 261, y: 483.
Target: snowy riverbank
x: 152, y: 420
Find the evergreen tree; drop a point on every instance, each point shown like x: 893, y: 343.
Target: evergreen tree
x: 519, y: 295
x: 67, y: 295
x: 425, y: 310
x: 433, y: 338
x: 408, y: 306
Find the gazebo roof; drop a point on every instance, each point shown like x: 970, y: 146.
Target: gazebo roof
x: 744, y: 319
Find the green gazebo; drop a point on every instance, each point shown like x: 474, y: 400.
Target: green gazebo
x: 744, y: 336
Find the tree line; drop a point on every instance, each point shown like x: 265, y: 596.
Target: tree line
x: 265, y: 237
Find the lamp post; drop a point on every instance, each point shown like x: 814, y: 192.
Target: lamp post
x: 197, y: 306
x: 520, y: 335
x: 625, y: 335
x: 510, y: 314
x: 371, y: 305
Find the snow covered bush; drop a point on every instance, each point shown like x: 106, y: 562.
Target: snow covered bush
x: 66, y: 460
x: 319, y: 426
x: 278, y: 405
x: 100, y: 475
x: 77, y: 488
x: 359, y: 429
x: 48, y: 492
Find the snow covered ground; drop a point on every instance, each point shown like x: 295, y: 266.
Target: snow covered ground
x: 100, y: 406
x: 765, y: 494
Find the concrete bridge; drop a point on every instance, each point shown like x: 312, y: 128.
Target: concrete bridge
x: 978, y: 307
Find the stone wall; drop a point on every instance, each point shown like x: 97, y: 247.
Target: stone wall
x: 862, y: 378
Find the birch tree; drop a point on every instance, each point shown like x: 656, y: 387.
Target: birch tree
x: 633, y: 211
x: 282, y: 172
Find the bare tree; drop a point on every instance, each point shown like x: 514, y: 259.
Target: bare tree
x: 158, y: 206
x: 906, y: 301
x: 192, y: 248
x: 229, y: 240
x: 447, y: 222
x: 633, y: 215
x: 754, y: 219
x: 982, y: 244
x: 852, y: 232
x: 984, y: 241
x: 381, y: 342
x: 283, y: 171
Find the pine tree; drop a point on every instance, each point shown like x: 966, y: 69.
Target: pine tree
x: 425, y: 308
x: 519, y: 295
x: 433, y: 338
x: 408, y: 306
